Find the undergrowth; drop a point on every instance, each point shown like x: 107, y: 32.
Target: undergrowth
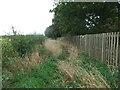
x: 46, y: 76
x: 110, y: 76
x: 49, y: 75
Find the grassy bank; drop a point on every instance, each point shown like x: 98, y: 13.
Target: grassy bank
x: 61, y: 66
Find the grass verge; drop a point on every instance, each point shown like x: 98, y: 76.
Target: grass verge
x: 109, y: 76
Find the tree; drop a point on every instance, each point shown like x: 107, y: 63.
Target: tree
x: 51, y: 32
x: 83, y: 18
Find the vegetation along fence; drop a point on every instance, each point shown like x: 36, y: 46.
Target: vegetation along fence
x: 104, y: 47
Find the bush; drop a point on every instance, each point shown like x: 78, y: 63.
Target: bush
x: 24, y: 44
x: 21, y: 45
x: 15, y: 48
x: 7, y: 52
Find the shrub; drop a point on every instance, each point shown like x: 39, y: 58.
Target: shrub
x: 24, y: 44
x: 14, y: 48
x: 7, y: 52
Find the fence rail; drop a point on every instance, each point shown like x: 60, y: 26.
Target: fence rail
x: 104, y: 47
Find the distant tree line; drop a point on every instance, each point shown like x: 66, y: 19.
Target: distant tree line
x: 79, y: 18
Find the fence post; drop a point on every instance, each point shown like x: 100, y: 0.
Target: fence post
x: 117, y: 48
x: 111, y: 58
x: 114, y: 54
x: 106, y: 47
x: 85, y: 43
x: 102, y: 46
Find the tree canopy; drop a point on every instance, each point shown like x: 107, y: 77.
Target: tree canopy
x: 73, y: 18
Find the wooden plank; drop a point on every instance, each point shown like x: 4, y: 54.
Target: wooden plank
x: 80, y: 42
x: 117, y: 49
x: 98, y: 47
x: 95, y: 45
x: 85, y: 44
x: 108, y: 49
x: 114, y: 54
x: 103, y: 37
x: 104, y: 47
x: 89, y: 45
x: 92, y: 45
x: 111, y: 51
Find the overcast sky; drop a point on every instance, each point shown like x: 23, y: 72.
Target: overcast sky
x: 27, y: 16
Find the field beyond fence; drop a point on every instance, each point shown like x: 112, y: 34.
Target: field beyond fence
x: 104, y: 47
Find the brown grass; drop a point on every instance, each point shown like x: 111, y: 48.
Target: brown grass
x: 69, y: 71
x: 53, y: 46
x: 29, y: 62
x: 88, y: 79
x: 73, y: 51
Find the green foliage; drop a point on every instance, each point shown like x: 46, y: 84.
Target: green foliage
x: 18, y: 46
x: 7, y: 48
x: 6, y: 77
x: 49, y: 31
x: 43, y: 51
x: 24, y: 44
x: 83, y: 18
x: 28, y: 82
x: 15, y: 48
x: 46, y: 76
x: 64, y: 55
x: 110, y: 77
x: 7, y: 52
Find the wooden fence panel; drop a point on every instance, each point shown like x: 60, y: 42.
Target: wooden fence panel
x: 104, y: 47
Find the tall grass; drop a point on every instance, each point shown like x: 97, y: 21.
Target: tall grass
x: 19, y: 55
x: 55, y: 64
x: 53, y: 46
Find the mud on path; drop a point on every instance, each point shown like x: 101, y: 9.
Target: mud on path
x: 75, y: 70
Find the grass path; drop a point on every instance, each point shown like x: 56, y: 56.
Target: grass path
x: 79, y: 70
x: 63, y: 66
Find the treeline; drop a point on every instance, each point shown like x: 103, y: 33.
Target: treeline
x: 79, y: 18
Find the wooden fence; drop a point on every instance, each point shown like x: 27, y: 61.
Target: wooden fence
x: 104, y: 47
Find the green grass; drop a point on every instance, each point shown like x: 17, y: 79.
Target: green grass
x: 104, y: 69
x: 46, y: 76
x: 49, y: 76
x: 64, y: 55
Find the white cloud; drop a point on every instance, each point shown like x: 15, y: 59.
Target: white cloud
x: 27, y: 16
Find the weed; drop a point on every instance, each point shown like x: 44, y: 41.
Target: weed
x: 47, y: 75
x: 64, y: 55
x: 102, y: 68
x: 46, y: 68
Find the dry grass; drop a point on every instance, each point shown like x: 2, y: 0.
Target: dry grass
x: 89, y: 79
x: 53, y: 46
x: 73, y: 51
x: 29, y: 62
x: 69, y: 71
